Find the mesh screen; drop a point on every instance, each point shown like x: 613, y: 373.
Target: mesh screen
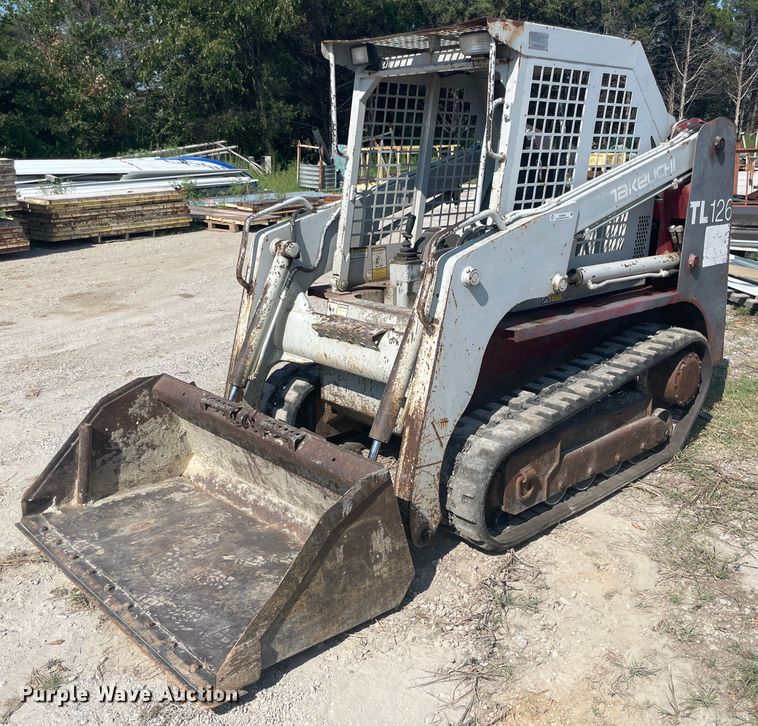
x: 642, y: 238
x: 613, y: 142
x: 554, y: 119
x: 389, y: 157
x: 452, y: 183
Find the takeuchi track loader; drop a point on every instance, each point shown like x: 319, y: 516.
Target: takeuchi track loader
x: 513, y: 312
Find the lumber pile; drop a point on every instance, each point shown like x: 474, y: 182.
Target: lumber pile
x: 12, y: 237
x: 61, y: 217
x: 8, y: 201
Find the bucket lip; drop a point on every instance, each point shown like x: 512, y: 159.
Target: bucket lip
x: 184, y: 666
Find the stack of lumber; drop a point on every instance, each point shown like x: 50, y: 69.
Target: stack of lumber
x: 12, y: 237
x: 231, y: 216
x: 60, y: 217
x: 8, y: 201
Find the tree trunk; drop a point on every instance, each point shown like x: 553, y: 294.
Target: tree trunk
x: 686, y: 62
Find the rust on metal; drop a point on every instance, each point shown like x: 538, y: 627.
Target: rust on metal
x: 612, y: 431
x: 83, y: 457
x: 677, y: 381
x: 222, y: 541
x: 348, y: 330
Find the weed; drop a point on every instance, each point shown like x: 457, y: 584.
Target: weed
x: 19, y: 558
x: 510, y: 598
x: 705, y: 596
x: 49, y: 677
x: 468, y: 681
x: 190, y: 189
x: 241, y: 189
x: 747, y: 679
x: 630, y: 669
x: 701, y: 697
x: 672, y: 708
x: 282, y: 180
x: 681, y: 631
x: 8, y: 707
x: 74, y: 598
x: 639, y: 669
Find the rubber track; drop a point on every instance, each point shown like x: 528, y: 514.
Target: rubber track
x: 484, y: 438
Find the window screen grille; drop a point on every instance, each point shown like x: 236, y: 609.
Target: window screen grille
x: 389, y: 155
x: 553, y: 128
x: 452, y: 183
x: 613, y: 142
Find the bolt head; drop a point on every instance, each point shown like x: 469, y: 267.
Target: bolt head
x: 559, y: 282
x: 470, y: 277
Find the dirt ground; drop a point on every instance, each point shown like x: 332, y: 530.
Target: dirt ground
x: 641, y: 610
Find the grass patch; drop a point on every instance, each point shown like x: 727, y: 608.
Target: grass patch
x: 747, y: 680
x: 732, y: 424
x: 684, y: 551
x: 8, y: 707
x: 714, y: 476
x: 74, y: 598
x: 20, y: 558
x: 514, y: 599
x: 50, y: 676
x: 282, y: 180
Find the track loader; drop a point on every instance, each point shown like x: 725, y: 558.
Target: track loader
x: 513, y: 311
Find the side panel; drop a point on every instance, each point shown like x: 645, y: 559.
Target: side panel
x: 705, y: 249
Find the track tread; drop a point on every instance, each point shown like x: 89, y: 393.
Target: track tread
x: 481, y: 445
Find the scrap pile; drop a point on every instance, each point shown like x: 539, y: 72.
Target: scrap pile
x: 743, y: 283
x: 231, y: 216
x: 60, y: 217
x: 12, y: 237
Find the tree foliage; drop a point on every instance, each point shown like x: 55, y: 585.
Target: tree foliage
x: 89, y: 77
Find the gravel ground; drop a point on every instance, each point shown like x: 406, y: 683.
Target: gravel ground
x: 575, y: 627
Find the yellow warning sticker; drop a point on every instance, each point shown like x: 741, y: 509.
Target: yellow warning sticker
x: 379, y: 270
x: 337, y: 308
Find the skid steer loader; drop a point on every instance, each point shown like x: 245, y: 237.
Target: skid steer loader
x: 513, y: 312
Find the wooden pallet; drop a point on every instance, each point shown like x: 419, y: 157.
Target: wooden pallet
x: 225, y: 225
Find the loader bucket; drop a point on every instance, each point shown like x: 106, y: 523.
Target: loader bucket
x: 221, y: 540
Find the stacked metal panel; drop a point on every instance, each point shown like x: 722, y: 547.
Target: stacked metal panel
x: 743, y: 282
x: 744, y: 227
x: 57, y: 218
x: 12, y: 237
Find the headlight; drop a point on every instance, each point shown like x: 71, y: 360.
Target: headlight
x: 475, y: 43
